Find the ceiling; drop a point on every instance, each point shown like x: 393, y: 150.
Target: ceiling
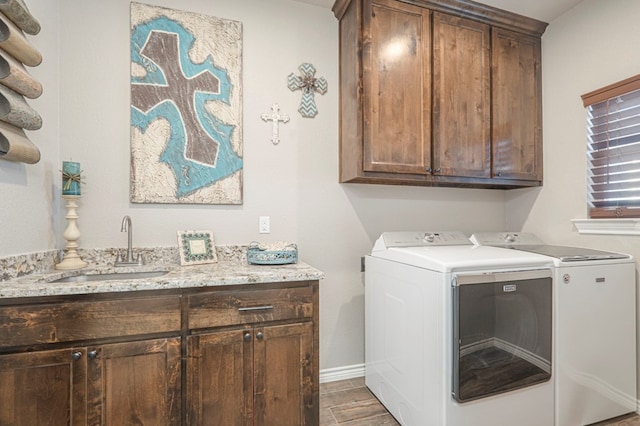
x: 543, y: 10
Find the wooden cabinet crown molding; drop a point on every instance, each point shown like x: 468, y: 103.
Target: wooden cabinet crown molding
x: 469, y: 9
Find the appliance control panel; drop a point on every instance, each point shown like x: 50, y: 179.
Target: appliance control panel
x: 505, y: 239
x: 418, y: 239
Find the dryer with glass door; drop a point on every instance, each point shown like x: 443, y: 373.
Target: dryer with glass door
x: 458, y: 335
x: 595, y: 327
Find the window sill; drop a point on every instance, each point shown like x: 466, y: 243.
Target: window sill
x: 607, y: 226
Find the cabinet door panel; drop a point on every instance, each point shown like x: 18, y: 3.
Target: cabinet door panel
x: 397, y: 88
x: 136, y: 383
x: 43, y: 388
x: 283, y: 375
x: 219, y: 379
x: 461, y: 97
x: 517, y: 112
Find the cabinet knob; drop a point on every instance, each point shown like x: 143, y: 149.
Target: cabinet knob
x: 247, y: 336
x: 498, y: 174
x: 259, y: 336
x: 76, y: 355
x: 93, y: 354
x: 438, y: 170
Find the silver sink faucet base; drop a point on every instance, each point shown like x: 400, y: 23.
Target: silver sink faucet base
x: 127, y: 226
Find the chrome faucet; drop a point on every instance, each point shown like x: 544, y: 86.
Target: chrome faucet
x: 127, y: 227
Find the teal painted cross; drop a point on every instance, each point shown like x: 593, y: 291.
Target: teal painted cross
x: 309, y: 85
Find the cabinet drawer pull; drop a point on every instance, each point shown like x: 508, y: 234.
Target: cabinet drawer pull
x: 256, y: 308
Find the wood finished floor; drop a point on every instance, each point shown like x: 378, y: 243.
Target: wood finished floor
x: 349, y: 402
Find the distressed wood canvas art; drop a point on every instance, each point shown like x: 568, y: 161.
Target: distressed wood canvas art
x: 186, y: 107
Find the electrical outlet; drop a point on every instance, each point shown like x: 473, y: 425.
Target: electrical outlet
x: 265, y: 224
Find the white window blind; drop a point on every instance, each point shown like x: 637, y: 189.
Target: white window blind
x: 614, y: 150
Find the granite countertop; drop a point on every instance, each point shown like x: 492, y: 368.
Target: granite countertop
x: 229, y: 270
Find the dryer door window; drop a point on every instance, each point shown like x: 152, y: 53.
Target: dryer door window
x: 501, y: 332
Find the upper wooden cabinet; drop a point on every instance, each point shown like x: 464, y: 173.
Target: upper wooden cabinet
x: 461, y: 97
x: 439, y: 93
x: 516, y: 106
x: 396, y: 72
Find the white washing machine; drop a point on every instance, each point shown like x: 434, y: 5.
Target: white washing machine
x: 595, y: 328
x: 458, y: 335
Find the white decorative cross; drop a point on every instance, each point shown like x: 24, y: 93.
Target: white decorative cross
x: 276, y: 118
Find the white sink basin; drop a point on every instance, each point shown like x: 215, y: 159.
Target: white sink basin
x: 110, y: 276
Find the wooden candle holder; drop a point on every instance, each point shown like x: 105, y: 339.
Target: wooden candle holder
x: 71, y: 258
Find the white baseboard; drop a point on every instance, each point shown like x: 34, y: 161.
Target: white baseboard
x: 341, y: 373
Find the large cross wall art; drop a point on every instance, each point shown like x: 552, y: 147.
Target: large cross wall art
x: 186, y: 107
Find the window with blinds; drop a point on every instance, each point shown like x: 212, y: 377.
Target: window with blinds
x: 614, y: 149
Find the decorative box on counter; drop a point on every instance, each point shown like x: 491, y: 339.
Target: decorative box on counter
x: 278, y: 253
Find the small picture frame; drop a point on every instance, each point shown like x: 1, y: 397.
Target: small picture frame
x: 196, y: 247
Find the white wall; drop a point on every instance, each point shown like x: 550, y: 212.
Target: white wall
x: 28, y: 193
x: 295, y: 182
x: 593, y: 45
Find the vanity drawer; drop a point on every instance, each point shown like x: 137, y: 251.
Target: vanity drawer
x: 85, y: 320
x: 224, y: 308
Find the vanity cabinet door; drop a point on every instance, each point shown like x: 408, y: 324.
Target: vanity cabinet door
x: 219, y: 378
x: 397, y: 88
x: 45, y: 387
x: 135, y: 383
x: 517, y: 111
x: 255, y: 376
x: 283, y: 372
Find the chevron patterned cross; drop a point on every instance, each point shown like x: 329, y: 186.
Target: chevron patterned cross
x: 310, y: 85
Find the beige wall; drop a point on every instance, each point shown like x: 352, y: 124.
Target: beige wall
x: 295, y: 182
x: 28, y: 207
x: 85, y: 107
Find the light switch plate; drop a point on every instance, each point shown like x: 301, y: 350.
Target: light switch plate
x: 265, y: 224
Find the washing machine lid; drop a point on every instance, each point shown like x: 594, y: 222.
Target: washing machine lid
x: 571, y: 254
x: 451, y: 252
x: 531, y: 243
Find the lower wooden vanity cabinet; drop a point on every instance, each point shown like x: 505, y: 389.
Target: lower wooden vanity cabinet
x: 251, y: 357
x: 118, y: 384
x: 251, y: 376
x: 262, y: 370
x: 47, y: 387
x: 135, y: 383
x: 86, y: 380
